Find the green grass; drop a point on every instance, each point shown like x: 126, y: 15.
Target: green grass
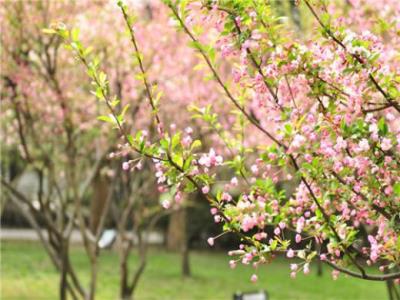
x: 27, y: 273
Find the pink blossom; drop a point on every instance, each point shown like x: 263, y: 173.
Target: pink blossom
x: 388, y: 190
x: 213, y: 210
x: 260, y: 235
x: 166, y: 204
x: 374, y: 256
x: 306, y: 269
x: 248, y: 223
x: 189, y: 130
x: 290, y: 253
x: 234, y: 181
x: 178, y: 197
x: 308, y: 157
x: 205, y: 189
x: 226, y: 197
x: 210, y: 241
x: 363, y: 145
x: 254, y: 169
x: 247, y: 258
x: 237, y: 75
x: 390, y: 117
x: 298, y: 141
x: 162, y: 188
x: 217, y: 218
x: 187, y: 141
x: 300, y: 225
x: 335, y: 274
x: 232, y: 264
x: 386, y: 144
x: 211, y: 159
x: 340, y: 144
x: 125, y: 166
x: 298, y: 238
x: 254, y: 278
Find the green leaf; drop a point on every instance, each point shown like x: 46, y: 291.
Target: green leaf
x: 382, y: 126
x: 164, y: 144
x: 98, y: 93
x: 196, y: 45
x: 311, y: 255
x: 187, y: 163
x: 114, y: 102
x: 87, y: 51
x: 178, y: 159
x: 288, y: 128
x: 102, y: 78
x: 176, y: 139
x: 108, y: 119
x: 122, y: 114
x: 49, y: 31
x: 273, y: 245
x: 75, y: 34
x: 195, y: 144
x: 138, y: 136
x: 130, y: 139
x: 319, y: 214
x: 189, y: 187
x: 396, y: 189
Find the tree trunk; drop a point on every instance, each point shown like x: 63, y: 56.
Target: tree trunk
x: 126, y: 296
x: 97, y: 205
x: 319, y: 262
x: 185, y: 262
x: 93, y: 279
x: 177, y: 239
x: 124, y: 288
x: 64, y: 269
x: 176, y: 230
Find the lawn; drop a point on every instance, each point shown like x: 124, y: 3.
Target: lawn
x: 27, y: 273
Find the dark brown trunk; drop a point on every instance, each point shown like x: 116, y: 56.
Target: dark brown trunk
x: 124, y: 289
x: 185, y: 262
x: 142, y: 251
x: 319, y: 262
x: 185, y: 247
x: 177, y: 239
x: 93, y: 277
x: 97, y: 205
x: 74, y: 279
x: 176, y: 230
x: 64, y: 269
x: 319, y: 268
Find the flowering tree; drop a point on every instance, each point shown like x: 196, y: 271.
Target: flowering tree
x: 322, y: 112
x: 52, y: 128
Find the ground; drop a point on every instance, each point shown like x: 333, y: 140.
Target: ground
x: 27, y: 273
